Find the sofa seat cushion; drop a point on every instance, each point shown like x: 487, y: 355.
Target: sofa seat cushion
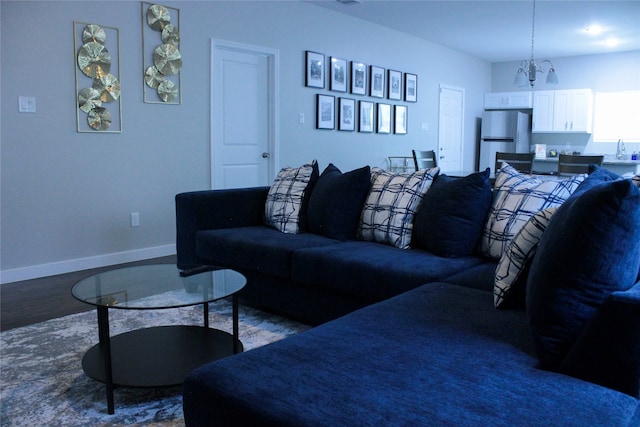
x: 478, y: 277
x: 437, y: 355
x: 372, y: 270
x: 257, y: 248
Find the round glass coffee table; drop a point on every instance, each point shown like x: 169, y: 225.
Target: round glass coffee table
x: 162, y: 355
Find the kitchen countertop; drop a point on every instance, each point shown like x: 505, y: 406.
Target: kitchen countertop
x: 604, y: 162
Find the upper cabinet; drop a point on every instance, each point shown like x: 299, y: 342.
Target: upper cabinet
x: 562, y: 111
x: 508, y: 100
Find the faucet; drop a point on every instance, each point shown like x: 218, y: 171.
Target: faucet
x: 621, y: 149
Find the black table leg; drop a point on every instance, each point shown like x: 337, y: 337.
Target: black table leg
x: 236, y: 338
x: 105, y: 345
x: 206, y: 314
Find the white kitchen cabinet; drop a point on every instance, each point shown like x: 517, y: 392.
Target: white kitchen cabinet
x: 563, y: 111
x: 508, y: 100
x: 542, y: 120
x: 573, y: 110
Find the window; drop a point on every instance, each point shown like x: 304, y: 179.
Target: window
x: 617, y: 116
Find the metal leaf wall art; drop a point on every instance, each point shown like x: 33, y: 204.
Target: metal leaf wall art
x: 96, y: 83
x: 162, y: 62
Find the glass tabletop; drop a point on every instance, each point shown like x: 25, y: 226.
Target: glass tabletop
x: 156, y: 286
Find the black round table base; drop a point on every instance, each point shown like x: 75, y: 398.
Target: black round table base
x: 159, y: 356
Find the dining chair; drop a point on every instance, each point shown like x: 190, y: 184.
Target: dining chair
x: 575, y: 164
x: 424, y: 159
x: 522, y: 162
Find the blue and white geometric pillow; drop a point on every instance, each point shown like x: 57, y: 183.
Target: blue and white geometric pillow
x: 518, y: 254
x: 517, y: 197
x: 284, y: 207
x: 387, y: 214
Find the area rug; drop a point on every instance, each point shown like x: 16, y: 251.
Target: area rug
x: 41, y: 377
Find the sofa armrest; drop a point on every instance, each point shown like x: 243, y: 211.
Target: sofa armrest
x: 608, y: 351
x: 214, y: 209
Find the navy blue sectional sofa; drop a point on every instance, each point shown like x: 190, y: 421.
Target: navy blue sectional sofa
x: 305, y: 276
x: 408, y: 337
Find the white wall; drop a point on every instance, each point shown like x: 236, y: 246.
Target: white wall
x: 602, y: 73
x: 66, y: 196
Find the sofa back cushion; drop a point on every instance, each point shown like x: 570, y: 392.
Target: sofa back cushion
x: 336, y: 202
x: 288, y: 197
x: 388, y: 212
x: 590, y: 249
x: 449, y: 220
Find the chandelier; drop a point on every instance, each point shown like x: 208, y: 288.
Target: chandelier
x: 529, y: 69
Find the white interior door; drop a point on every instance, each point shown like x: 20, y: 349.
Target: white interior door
x: 450, y: 128
x: 244, y: 115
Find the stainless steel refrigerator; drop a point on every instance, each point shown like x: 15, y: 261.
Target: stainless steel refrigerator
x: 507, y: 131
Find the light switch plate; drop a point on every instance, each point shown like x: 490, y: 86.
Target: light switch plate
x: 26, y: 104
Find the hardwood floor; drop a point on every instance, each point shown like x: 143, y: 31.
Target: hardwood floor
x: 32, y: 301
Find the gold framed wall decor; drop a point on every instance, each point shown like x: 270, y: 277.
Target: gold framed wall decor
x: 97, y: 65
x: 161, y: 57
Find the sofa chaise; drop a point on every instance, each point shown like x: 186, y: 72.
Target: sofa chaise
x: 504, y: 307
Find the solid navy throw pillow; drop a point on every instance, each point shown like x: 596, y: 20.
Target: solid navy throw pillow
x: 450, y: 218
x: 597, y: 175
x: 336, y: 202
x: 590, y: 249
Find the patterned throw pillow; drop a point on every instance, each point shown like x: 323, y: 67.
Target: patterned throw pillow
x: 387, y: 215
x: 517, y: 198
x: 287, y: 198
x: 517, y: 256
x: 636, y: 180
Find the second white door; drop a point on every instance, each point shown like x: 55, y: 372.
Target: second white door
x: 243, y: 122
x: 450, y: 128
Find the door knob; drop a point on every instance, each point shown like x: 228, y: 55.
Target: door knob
x: 266, y: 155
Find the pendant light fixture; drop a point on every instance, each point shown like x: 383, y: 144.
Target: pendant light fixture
x: 528, y: 69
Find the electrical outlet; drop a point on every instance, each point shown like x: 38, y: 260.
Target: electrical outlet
x: 135, y: 219
x: 301, y: 118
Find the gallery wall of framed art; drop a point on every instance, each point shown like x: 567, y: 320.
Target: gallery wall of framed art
x: 382, y: 90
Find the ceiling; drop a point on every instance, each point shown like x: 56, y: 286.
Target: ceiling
x: 500, y: 31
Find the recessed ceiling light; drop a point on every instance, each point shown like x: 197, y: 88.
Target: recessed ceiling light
x: 611, y: 42
x: 594, y: 30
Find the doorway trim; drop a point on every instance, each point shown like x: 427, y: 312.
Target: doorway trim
x: 273, y: 61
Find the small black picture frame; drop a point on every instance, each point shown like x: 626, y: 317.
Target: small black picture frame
x: 401, y: 120
x: 384, y: 118
x: 376, y: 82
x: 325, y: 111
x: 410, y: 87
x: 314, y: 69
x: 394, y: 83
x: 347, y: 114
x: 338, y: 75
x: 358, y: 78
x: 366, y: 117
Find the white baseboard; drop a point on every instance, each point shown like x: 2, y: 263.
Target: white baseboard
x: 44, y: 270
